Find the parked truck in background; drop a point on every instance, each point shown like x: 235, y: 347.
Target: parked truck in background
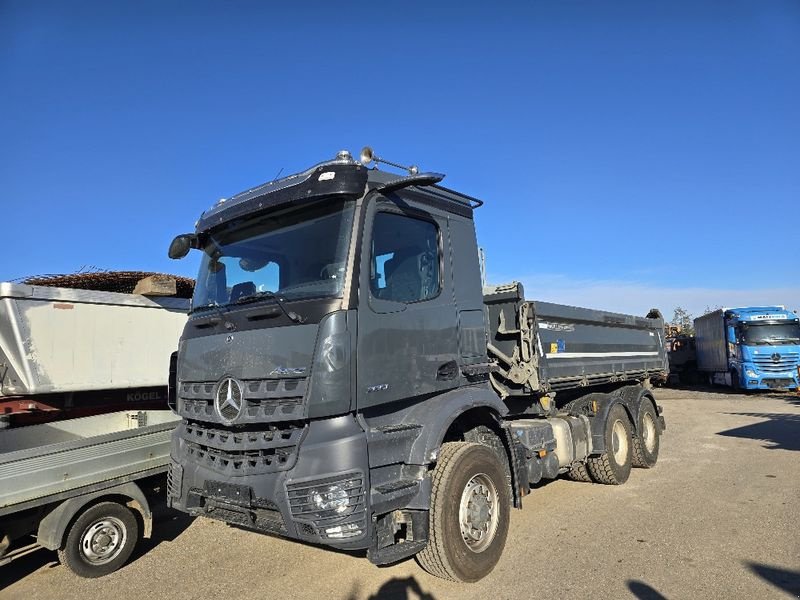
x: 344, y: 379
x: 749, y: 348
x: 682, y: 358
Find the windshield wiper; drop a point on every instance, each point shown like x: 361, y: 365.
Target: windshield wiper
x: 292, y: 316
x: 210, y: 306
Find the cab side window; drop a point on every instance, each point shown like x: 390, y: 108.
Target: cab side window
x: 405, y: 258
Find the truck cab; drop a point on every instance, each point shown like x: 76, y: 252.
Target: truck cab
x: 761, y: 346
x: 335, y: 383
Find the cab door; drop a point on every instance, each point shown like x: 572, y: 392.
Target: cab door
x: 407, y: 321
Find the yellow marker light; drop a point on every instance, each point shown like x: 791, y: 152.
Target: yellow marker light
x: 542, y: 453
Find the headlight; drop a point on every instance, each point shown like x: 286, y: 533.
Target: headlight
x: 332, y: 497
x: 751, y: 373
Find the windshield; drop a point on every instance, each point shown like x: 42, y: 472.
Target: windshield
x: 774, y: 334
x: 295, y: 254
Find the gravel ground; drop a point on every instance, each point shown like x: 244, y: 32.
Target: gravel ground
x: 716, y: 518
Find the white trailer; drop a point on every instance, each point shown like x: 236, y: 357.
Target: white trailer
x: 63, y: 348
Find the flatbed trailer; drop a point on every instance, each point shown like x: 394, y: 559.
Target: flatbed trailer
x: 83, y: 487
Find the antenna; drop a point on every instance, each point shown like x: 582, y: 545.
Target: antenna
x: 368, y: 156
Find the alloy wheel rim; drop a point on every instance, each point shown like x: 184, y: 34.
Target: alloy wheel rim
x: 478, y: 513
x: 619, y: 442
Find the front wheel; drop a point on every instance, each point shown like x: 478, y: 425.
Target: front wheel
x: 100, y: 540
x: 735, y: 381
x: 470, y: 505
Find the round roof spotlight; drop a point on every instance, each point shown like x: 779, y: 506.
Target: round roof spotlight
x: 343, y: 155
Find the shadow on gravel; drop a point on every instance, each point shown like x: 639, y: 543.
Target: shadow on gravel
x: 397, y: 588
x: 643, y: 591
x: 780, y: 430
x: 783, y: 579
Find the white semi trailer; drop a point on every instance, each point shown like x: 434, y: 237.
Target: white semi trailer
x: 71, y: 352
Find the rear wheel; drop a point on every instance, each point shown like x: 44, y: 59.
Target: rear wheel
x: 613, y: 467
x: 100, y: 540
x: 470, y: 505
x: 579, y: 472
x: 647, y: 441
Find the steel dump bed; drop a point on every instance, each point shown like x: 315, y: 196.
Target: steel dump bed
x: 44, y: 463
x: 542, y: 347
x: 56, y: 340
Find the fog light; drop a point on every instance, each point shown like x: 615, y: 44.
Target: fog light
x: 751, y: 373
x: 332, y: 497
x: 343, y: 531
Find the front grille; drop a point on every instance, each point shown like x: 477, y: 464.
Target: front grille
x: 786, y: 362
x: 239, y: 452
x: 264, y: 400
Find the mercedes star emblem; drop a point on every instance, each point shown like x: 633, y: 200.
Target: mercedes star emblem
x: 228, y: 401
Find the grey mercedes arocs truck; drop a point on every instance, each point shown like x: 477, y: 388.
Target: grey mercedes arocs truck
x: 345, y: 379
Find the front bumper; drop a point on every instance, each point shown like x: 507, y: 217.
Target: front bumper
x: 771, y: 381
x: 271, y: 490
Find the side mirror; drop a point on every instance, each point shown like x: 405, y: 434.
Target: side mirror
x: 181, y: 245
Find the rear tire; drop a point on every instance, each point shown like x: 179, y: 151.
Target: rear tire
x: 579, y: 472
x: 470, y: 505
x: 100, y: 540
x: 647, y: 441
x: 613, y: 467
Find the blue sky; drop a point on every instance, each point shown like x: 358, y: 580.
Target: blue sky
x: 631, y: 154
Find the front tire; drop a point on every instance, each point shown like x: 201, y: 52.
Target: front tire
x: 100, y: 540
x: 613, y: 467
x: 470, y: 505
x: 735, y: 381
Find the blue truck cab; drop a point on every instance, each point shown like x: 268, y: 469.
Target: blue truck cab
x: 751, y: 348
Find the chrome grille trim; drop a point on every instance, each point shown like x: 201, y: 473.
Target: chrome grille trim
x: 265, y: 400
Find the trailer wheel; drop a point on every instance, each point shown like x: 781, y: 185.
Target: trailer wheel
x: 614, y: 466
x: 648, y: 440
x: 470, y: 504
x: 100, y: 540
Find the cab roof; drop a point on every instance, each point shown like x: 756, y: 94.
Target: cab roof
x: 341, y: 177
